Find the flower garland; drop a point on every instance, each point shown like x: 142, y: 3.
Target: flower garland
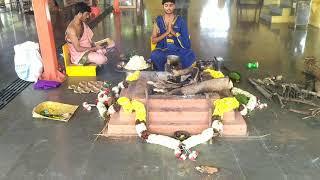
x: 109, y: 102
x: 214, y: 74
x: 182, y: 150
x: 252, y: 102
x: 224, y: 105
x: 106, y: 101
x: 134, y: 76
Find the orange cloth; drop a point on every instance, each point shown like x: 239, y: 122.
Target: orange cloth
x: 85, y: 41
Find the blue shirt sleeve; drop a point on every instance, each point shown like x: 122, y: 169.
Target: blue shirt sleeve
x: 183, y: 36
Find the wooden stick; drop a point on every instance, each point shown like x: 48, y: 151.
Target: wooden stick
x: 263, y: 91
x: 169, y: 85
x: 294, y: 86
x: 299, y: 111
x: 182, y: 72
x: 195, y: 74
x: 317, y: 87
x: 315, y: 112
x: 213, y: 85
x: 100, y: 133
x: 300, y: 101
x: 307, y: 117
x: 280, y: 99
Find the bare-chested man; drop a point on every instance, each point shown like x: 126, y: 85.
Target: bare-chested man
x: 79, y: 37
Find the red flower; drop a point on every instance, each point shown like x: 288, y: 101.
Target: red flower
x: 106, y: 103
x: 107, y: 92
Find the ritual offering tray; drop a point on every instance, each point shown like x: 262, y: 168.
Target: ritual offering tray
x: 54, y: 111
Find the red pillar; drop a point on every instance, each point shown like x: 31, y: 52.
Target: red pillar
x: 46, y: 41
x: 117, y: 26
x: 116, y: 8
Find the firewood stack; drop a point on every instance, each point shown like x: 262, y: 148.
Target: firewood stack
x: 313, y: 67
x: 190, y: 81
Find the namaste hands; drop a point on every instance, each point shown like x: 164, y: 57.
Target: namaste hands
x: 170, y: 31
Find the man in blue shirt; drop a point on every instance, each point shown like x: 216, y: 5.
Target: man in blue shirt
x: 171, y: 35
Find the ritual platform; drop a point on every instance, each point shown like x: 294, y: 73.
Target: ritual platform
x: 167, y: 114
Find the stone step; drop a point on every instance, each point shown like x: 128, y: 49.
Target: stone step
x: 230, y: 129
x: 179, y: 116
x: 163, y: 116
x: 171, y: 108
x: 238, y: 127
x: 117, y: 127
x: 125, y: 117
x: 169, y: 129
x: 116, y: 120
x: 120, y: 130
x: 234, y: 125
x: 229, y: 116
x: 178, y: 103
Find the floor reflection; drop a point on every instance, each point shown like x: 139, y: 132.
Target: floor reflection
x: 215, y: 19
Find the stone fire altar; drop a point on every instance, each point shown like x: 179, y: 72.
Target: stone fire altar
x: 167, y: 114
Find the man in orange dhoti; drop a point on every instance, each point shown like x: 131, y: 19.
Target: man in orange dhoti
x: 79, y: 38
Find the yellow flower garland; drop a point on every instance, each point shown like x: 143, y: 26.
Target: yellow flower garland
x: 214, y: 74
x: 224, y: 105
x: 134, y: 76
x: 139, y: 108
x: 126, y: 104
x: 136, y: 106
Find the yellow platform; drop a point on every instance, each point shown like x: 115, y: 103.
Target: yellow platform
x: 77, y: 70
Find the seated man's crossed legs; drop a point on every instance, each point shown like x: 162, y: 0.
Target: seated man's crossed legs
x: 99, y: 57
x: 159, y: 58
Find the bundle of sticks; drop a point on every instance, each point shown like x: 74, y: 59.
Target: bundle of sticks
x: 191, y: 82
x: 273, y: 88
x: 312, y: 67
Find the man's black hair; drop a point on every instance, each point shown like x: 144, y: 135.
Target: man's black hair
x: 165, y: 1
x: 82, y: 7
